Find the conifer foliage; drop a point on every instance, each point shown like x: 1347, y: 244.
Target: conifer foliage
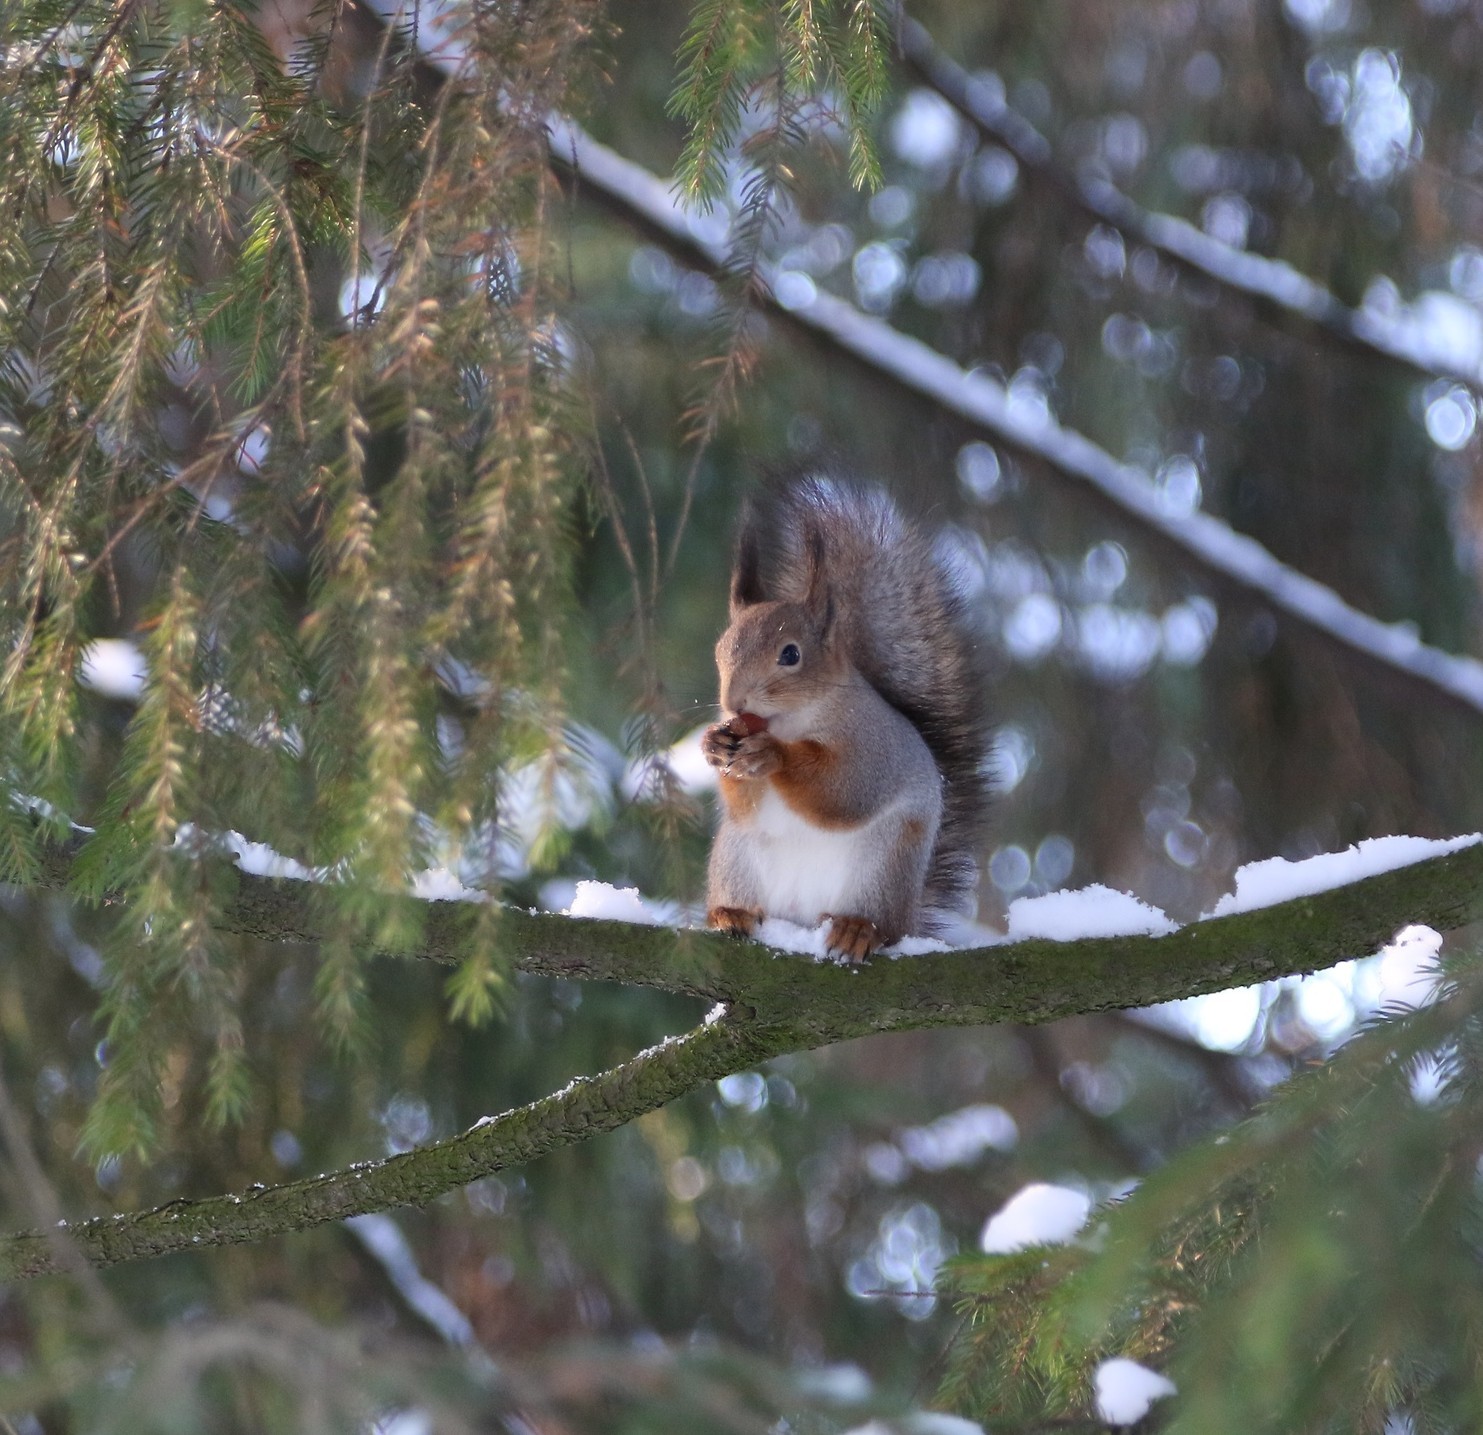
x: 1297, y: 1273
x: 282, y: 387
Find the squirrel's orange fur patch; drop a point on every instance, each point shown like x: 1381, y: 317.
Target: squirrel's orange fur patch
x: 802, y: 783
x: 741, y: 795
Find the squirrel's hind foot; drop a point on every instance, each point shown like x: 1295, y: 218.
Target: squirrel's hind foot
x: 853, y: 938
x: 739, y: 921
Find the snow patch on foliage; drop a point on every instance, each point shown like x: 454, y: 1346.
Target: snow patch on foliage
x: 788, y: 936
x: 258, y: 859
x: 1275, y: 879
x: 840, y: 1384
x: 1094, y: 911
x: 1126, y: 1389
x: 959, y: 1138
x: 1408, y: 966
x: 1066, y: 916
x: 114, y: 667
x: 922, y: 1422
x: 1039, y: 1215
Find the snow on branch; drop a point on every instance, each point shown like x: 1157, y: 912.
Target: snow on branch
x: 1239, y: 562
x: 1401, y: 335
x: 771, y: 1004
x: 1066, y: 953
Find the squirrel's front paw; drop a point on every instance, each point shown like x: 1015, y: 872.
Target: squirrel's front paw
x: 751, y: 756
x: 853, y: 938
x: 718, y: 744
x: 755, y: 756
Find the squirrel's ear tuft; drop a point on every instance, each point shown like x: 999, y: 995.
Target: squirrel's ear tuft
x: 746, y: 573
x: 818, y: 596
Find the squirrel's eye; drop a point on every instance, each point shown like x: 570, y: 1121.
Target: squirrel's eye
x: 790, y: 657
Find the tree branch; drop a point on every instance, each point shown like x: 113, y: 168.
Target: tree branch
x: 584, y: 1108
x: 1199, y: 539
x: 1028, y: 981
x: 774, y: 1004
x: 1270, y: 282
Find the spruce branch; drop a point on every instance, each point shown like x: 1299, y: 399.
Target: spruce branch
x: 586, y: 1107
x: 1280, y: 290
x: 1388, y: 652
x: 773, y: 1005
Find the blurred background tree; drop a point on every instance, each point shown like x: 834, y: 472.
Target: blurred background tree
x: 365, y: 493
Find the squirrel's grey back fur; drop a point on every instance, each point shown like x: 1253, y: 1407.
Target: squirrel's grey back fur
x: 902, y: 617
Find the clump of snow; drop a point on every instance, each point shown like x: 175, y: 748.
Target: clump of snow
x: 1430, y: 1073
x: 1039, y: 1215
x: 1219, y: 1021
x: 1126, y: 1389
x: 383, y: 1238
x: 1275, y: 879
x: 257, y: 859
x: 438, y: 884
x: 1094, y: 911
x: 1408, y: 966
x: 612, y: 904
x: 1439, y: 331
x: 839, y: 1384
x: 958, y: 933
x: 114, y: 667
x: 922, y: 1422
x: 568, y: 792
x: 918, y: 947
x: 939, y: 1422
x: 790, y: 937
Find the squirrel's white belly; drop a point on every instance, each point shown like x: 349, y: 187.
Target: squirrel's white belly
x: 808, y: 871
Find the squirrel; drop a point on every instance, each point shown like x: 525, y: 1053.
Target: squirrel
x: 852, y: 751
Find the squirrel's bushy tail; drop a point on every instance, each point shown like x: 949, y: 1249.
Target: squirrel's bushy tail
x: 903, y: 616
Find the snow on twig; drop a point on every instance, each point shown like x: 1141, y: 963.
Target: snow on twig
x: 1125, y: 1390
x: 1402, y: 336
x: 383, y: 1240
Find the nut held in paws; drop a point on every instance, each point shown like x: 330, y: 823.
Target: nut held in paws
x: 745, y: 724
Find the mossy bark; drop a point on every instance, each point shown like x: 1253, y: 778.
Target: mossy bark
x: 773, y: 1003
